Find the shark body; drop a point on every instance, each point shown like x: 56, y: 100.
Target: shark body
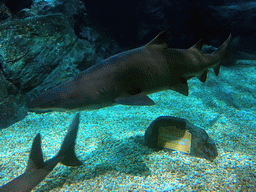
x: 127, y: 77
x: 37, y: 169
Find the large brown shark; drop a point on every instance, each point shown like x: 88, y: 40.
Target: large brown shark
x: 127, y: 77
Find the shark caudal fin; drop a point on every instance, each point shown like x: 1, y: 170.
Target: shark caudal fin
x: 220, y: 54
x: 67, y: 149
x: 37, y: 169
x: 68, y: 145
x: 214, y: 59
x: 28, y: 180
x: 198, y: 47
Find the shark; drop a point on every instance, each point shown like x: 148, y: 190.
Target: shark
x: 37, y: 169
x: 128, y: 77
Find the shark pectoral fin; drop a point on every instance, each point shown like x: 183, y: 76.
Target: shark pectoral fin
x: 138, y: 99
x: 203, y: 77
x: 181, y: 87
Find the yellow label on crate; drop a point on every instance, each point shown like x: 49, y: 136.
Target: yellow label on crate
x: 173, y: 138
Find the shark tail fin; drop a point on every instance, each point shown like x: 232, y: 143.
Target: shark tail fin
x: 68, y: 145
x: 35, y: 162
x: 221, y: 53
x: 223, y: 48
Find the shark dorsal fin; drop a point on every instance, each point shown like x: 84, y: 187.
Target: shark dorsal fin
x: 35, y: 160
x: 160, y: 40
x: 198, y: 46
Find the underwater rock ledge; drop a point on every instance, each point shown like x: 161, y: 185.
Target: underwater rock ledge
x: 36, y: 53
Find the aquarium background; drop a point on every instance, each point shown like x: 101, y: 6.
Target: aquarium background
x: 45, y: 43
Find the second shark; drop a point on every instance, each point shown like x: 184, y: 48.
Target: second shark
x: 37, y: 169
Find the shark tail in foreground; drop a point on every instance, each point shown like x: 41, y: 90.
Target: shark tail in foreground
x: 37, y: 169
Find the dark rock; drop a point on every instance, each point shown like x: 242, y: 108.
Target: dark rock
x: 16, y: 6
x: 36, y: 47
x: 4, y: 11
x: 12, y: 108
x: 70, y: 9
x: 6, y: 87
x: 201, y: 144
x: 66, y: 7
x: 11, y: 111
